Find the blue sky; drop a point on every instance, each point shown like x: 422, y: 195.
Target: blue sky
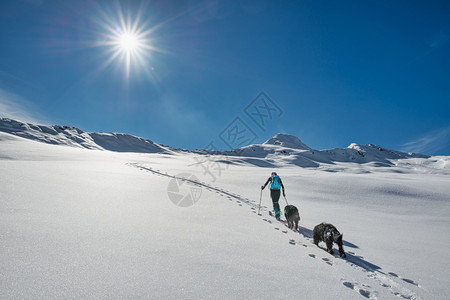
x: 331, y: 72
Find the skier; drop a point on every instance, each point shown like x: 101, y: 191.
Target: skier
x: 275, y: 186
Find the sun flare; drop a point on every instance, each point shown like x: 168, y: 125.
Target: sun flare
x: 128, y: 42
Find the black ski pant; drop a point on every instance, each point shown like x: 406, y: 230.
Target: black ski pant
x: 275, y: 195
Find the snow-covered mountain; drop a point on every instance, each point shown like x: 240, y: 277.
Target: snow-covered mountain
x: 72, y: 136
x: 280, y: 150
x: 287, y: 141
x: 288, y: 150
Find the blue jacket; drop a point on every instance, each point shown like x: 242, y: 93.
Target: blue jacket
x: 276, y: 183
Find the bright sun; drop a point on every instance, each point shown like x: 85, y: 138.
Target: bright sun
x: 128, y: 42
x: 130, y: 45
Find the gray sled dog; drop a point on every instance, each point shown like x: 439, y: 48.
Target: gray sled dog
x: 292, y: 216
x: 328, y: 233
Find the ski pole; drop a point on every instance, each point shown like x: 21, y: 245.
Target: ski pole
x: 259, y: 206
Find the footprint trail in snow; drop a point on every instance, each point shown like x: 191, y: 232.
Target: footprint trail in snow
x: 390, y: 281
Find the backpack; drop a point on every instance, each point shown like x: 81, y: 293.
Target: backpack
x: 276, y: 184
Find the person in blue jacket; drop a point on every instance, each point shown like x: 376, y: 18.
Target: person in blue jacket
x: 275, y: 186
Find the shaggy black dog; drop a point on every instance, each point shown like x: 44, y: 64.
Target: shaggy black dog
x: 328, y: 233
x: 292, y: 216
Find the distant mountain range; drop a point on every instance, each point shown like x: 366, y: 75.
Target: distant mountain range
x: 287, y: 149
x: 282, y: 149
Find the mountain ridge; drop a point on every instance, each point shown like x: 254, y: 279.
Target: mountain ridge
x: 75, y: 137
x: 280, y: 150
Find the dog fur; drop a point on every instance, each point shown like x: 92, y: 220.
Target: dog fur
x: 292, y: 216
x: 328, y: 233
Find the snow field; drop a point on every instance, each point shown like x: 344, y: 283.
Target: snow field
x: 79, y: 223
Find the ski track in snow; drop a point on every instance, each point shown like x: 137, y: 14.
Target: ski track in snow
x: 391, y: 281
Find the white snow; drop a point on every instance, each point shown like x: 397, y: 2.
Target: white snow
x: 71, y: 136
x: 288, y: 141
x: 78, y: 223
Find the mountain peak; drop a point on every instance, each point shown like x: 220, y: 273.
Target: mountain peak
x: 288, y: 141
